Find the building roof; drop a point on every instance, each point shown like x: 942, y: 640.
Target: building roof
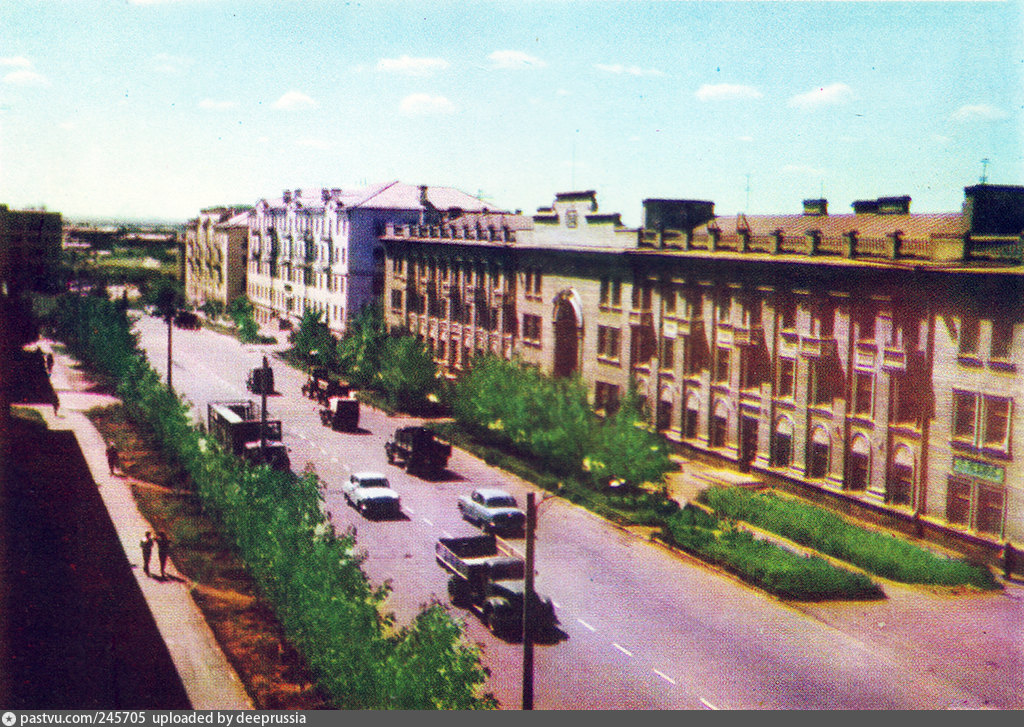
x: 944, y: 224
x: 386, y: 195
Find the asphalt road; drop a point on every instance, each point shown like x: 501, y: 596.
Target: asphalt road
x: 643, y: 627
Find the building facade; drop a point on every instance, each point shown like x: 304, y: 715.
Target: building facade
x: 215, y: 255
x: 874, y: 356
x: 30, y: 249
x: 319, y: 250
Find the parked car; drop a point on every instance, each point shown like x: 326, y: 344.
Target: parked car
x: 371, y: 494
x: 493, y: 510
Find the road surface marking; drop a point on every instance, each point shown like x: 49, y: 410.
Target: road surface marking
x: 556, y: 604
x: 586, y: 624
x: 624, y: 650
x: 410, y: 510
x: 708, y: 704
x: 334, y: 459
x: 428, y: 522
x: 664, y: 676
x: 301, y: 435
x: 446, y: 533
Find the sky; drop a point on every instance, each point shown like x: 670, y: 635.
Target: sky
x: 155, y: 109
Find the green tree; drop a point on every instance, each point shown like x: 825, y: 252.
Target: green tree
x: 213, y: 309
x: 361, y: 348
x: 240, y: 311
x: 624, y: 448
x: 407, y: 372
x: 313, y: 341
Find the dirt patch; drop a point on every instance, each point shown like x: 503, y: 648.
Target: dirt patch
x: 274, y: 673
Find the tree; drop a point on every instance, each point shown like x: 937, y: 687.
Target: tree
x: 361, y: 348
x: 168, y: 301
x: 213, y: 309
x: 407, y: 372
x: 240, y: 311
x: 313, y: 341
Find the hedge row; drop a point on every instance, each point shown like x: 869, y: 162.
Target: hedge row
x: 827, y: 532
x: 762, y: 563
x: 312, y: 578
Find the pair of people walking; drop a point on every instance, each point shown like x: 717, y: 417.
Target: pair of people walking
x: 163, y: 550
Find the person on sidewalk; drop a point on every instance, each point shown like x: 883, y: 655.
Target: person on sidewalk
x: 113, y: 459
x: 163, y: 549
x: 49, y: 363
x: 147, y: 550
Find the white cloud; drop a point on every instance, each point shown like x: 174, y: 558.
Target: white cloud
x: 745, y: 138
x: 726, y: 92
x: 978, y: 112
x: 295, y: 100
x: 26, y: 77
x: 212, y: 105
x: 422, y: 104
x: 803, y: 170
x: 170, y: 64
x: 16, y: 62
x: 68, y: 125
x: 514, y: 59
x: 619, y: 69
x: 831, y: 95
x: 412, y: 66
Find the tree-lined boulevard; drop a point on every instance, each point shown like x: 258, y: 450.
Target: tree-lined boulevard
x: 643, y: 627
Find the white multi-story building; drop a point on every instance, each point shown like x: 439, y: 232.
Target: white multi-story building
x: 320, y: 251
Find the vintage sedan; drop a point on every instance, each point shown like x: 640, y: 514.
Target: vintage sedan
x: 493, y: 510
x: 371, y: 494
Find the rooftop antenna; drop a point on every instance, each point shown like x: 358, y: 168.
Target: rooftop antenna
x: 984, y: 171
x: 746, y: 207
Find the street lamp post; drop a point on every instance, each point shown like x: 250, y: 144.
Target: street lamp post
x: 531, y: 526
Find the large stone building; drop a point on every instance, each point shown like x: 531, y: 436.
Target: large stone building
x: 319, y: 250
x: 873, y: 356
x: 216, y: 252
x: 30, y: 248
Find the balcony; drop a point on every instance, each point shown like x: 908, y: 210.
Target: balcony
x: 864, y: 354
x: 817, y: 346
x: 894, y: 359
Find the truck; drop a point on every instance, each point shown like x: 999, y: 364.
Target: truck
x: 261, y: 380
x: 341, y: 413
x: 488, y: 577
x: 236, y: 425
x: 418, y: 450
x: 322, y: 385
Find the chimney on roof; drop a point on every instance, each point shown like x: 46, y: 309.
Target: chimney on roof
x: 994, y: 209
x: 298, y: 194
x: 286, y: 196
x: 423, y: 195
x: 883, y: 206
x: 676, y: 214
x: 325, y: 195
x: 816, y: 208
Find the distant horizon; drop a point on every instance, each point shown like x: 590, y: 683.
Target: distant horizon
x: 156, y: 109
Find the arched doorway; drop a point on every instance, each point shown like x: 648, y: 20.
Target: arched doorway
x: 567, y: 339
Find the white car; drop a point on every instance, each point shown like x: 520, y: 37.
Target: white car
x: 493, y: 510
x: 371, y: 494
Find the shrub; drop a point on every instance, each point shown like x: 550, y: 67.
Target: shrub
x: 827, y: 532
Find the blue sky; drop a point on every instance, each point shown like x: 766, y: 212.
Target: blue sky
x: 157, y: 108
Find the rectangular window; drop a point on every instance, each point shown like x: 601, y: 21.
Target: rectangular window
x: 958, y: 502
x: 531, y: 328
x: 820, y: 384
x: 997, y: 422
x: 787, y: 315
x: 1002, y: 339
x: 722, y: 365
x: 969, y: 336
x: 865, y: 325
x: 396, y: 300
x: 606, y: 397
x: 863, y: 382
x: 990, y: 510
x: 606, y: 294
x: 616, y: 293
x: 964, y: 416
x: 668, y: 352
x: 608, y: 342
x: 787, y: 378
x: 669, y: 296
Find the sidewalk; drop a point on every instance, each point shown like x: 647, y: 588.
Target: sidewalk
x: 209, y: 680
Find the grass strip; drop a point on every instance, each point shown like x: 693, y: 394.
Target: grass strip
x: 827, y: 532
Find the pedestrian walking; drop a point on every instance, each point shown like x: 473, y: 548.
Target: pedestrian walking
x: 1009, y: 560
x: 49, y: 363
x: 147, y: 550
x: 56, y: 404
x: 113, y: 459
x: 163, y: 549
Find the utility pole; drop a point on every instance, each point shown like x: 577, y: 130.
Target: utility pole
x: 984, y: 171
x: 531, y: 526
x: 170, y: 325
x: 263, y: 410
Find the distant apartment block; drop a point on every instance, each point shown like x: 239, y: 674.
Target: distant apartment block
x: 876, y: 356
x: 30, y: 249
x: 319, y: 250
x: 216, y: 249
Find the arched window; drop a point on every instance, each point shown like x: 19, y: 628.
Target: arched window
x: 899, y: 488
x: 860, y: 464
x: 817, y: 460
x: 782, y: 443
